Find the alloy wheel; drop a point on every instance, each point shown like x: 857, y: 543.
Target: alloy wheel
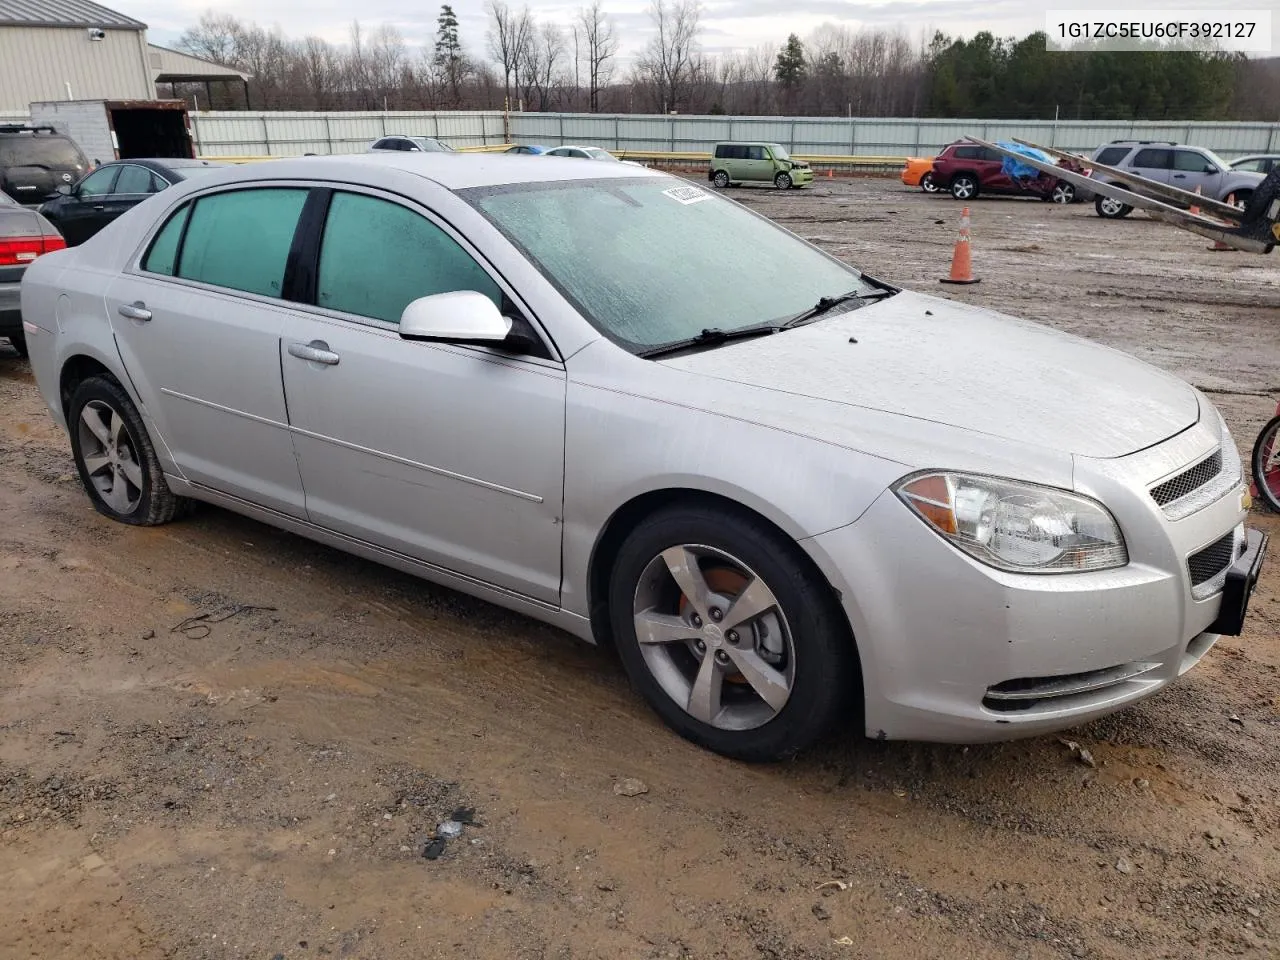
x: 110, y: 456
x: 714, y: 636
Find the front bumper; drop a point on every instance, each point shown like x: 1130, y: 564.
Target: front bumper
x: 801, y: 177
x: 955, y: 651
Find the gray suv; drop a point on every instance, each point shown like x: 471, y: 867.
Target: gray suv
x: 1175, y: 164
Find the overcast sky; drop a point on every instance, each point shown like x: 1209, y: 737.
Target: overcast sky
x: 727, y: 24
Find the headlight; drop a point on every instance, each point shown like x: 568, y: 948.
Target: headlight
x: 1017, y: 526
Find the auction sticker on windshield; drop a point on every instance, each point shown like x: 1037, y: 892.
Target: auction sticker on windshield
x: 686, y: 195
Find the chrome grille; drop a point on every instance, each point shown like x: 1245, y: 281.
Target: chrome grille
x: 1188, y: 481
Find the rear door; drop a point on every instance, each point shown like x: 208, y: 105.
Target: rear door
x: 198, y: 324
x: 1154, y: 163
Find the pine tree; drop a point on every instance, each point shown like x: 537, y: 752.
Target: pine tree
x: 789, y: 68
x: 448, y: 53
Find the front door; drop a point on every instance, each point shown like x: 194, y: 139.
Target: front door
x: 450, y: 454
x: 199, y: 325
x: 80, y: 215
x: 1191, y: 169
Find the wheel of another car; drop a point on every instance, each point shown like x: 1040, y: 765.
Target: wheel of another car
x: 1266, y: 464
x: 782, y: 181
x: 721, y: 179
x: 1062, y: 192
x: 1111, y: 208
x: 114, y: 455
x: 19, y: 343
x: 730, y: 633
x: 927, y: 184
x: 964, y: 186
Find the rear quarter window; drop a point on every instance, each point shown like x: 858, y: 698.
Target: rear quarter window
x: 164, y: 248
x: 967, y: 153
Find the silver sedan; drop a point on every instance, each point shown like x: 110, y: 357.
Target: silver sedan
x: 785, y: 492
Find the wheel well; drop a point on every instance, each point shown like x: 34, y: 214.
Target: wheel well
x: 630, y: 515
x: 74, y: 372
x: 964, y: 173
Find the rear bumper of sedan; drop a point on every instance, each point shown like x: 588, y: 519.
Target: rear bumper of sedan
x: 955, y: 651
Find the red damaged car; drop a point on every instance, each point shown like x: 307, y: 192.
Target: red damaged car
x: 968, y: 170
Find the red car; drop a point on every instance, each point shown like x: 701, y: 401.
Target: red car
x: 968, y: 170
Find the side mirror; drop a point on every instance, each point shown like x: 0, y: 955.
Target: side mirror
x: 1210, y: 168
x: 463, y: 316
x: 65, y: 189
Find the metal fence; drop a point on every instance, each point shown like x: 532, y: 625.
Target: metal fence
x: 283, y: 134
x: 242, y: 133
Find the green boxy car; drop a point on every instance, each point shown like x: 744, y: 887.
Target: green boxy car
x: 757, y: 163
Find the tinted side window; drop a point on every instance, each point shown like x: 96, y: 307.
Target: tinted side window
x: 241, y: 239
x: 377, y: 256
x: 992, y: 155
x: 1153, y: 159
x: 967, y: 153
x: 755, y: 153
x: 158, y: 183
x: 721, y: 151
x: 1190, y: 161
x: 164, y: 247
x: 98, y: 183
x: 133, y: 179
x: 1112, y: 155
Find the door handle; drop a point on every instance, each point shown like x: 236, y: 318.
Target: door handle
x: 99, y: 206
x: 134, y: 311
x: 316, y: 351
x: 1179, y: 176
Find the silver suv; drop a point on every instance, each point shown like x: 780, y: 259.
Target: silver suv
x: 1175, y: 164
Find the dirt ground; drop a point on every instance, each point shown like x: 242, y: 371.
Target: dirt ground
x: 260, y: 783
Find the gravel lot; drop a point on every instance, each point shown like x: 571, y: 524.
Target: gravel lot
x: 260, y: 783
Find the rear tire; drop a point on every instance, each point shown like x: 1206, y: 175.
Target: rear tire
x: 795, y: 646
x: 1266, y: 465
x: 964, y: 186
x: 1111, y: 209
x: 19, y: 343
x: 115, y: 458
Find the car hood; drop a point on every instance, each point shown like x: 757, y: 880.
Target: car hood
x: 948, y: 363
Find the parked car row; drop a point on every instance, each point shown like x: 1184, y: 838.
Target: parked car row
x: 967, y: 170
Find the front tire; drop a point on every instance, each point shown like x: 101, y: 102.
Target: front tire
x: 964, y: 187
x: 1111, y: 209
x: 728, y: 631
x: 721, y: 179
x: 115, y: 457
x: 782, y: 181
x: 1266, y: 464
x: 1063, y: 193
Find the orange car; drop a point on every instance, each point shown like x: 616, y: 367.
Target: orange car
x: 919, y: 173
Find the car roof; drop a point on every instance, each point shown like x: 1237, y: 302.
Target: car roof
x: 453, y: 171
x: 1257, y: 156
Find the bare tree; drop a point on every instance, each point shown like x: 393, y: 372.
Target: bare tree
x: 668, y: 62
x: 386, y: 59
x: 540, y: 62
x: 214, y: 37
x: 602, y: 46
x: 510, y: 36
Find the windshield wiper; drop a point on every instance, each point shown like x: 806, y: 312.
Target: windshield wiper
x: 826, y: 304
x: 711, y: 336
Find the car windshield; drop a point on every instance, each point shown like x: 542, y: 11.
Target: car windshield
x: 656, y: 261
x: 433, y: 146
x: 595, y: 153
x: 1216, y: 160
x: 779, y: 152
x: 51, y: 152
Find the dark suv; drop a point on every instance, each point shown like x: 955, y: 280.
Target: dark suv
x: 968, y: 170
x: 35, y: 161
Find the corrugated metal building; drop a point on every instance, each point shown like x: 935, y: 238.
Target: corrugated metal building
x: 70, y: 50
x: 79, y: 50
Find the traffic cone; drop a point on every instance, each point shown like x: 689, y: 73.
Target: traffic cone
x: 830, y: 172
x: 1218, y: 245
x: 1195, y: 208
x: 961, y: 265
